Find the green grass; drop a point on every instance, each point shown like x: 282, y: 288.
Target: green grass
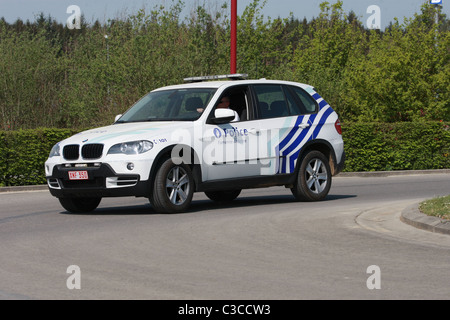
x: 438, y: 207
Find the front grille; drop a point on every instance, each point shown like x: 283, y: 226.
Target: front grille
x: 71, y: 152
x: 92, y: 151
x: 88, y: 151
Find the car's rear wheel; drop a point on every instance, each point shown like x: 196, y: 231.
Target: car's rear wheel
x: 173, y: 188
x: 223, y: 196
x: 80, y: 205
x: 314, y: 178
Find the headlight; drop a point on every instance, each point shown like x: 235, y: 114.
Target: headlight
x: 132, y: 147
x: 55, y: 152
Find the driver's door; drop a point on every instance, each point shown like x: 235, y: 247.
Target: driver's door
x: 230, y: 150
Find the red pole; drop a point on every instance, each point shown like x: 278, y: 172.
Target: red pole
x: 233, y: 36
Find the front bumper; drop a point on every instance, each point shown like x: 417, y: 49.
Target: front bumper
x: 102, y: 181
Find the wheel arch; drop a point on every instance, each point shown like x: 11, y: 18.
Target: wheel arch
x: 166, y: 153
x: 322, y: 146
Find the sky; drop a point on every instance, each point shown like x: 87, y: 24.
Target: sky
x: 103, y: 10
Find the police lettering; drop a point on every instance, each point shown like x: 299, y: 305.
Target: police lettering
x: 235, y: 132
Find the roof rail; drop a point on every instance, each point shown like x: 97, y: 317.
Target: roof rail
x: 235, y: 76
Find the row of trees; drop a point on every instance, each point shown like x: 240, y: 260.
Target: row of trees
x: 51, y: 76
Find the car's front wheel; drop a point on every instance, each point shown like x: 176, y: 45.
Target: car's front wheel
x: 314, y: 178
x: 173, y: 187
x: 80, y: 205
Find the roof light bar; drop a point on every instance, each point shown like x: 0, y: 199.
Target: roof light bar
x: 235, y: 76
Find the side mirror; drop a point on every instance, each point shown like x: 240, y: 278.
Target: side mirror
x: 117, y: 117
x: 223, y: 116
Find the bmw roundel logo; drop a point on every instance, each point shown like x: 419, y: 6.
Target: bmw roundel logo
x: 217, y: 133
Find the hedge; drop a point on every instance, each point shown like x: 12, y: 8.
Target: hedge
x: 396, y: 146
x: 368, y: 147
x: 23, y: 153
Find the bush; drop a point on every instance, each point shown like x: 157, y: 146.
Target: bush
x: 368, y: 147
x: 396, y: 146
x: 24, y: 152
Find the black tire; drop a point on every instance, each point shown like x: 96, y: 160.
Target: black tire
x: 314, y: 178
x: 173, y: 188
x: 223, y: 196
x: 80, y: 205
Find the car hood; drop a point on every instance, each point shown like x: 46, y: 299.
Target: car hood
x: 123, y: 132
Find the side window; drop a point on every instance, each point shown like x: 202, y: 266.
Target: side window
x: 236, y: 98
x: 308, y: 104
x: 271, y: 102
x: 238, y: 101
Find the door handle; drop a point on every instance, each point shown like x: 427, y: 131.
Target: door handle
x: 303, y: 125
x: 253, y: 131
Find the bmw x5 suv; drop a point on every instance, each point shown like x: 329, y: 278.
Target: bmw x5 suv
x: 177, y: 140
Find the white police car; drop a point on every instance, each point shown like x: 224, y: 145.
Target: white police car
x: 179, y: 139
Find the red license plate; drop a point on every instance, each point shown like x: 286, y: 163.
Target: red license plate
x: 78, y: 175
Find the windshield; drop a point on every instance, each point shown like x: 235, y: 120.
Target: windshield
x: 169, y: 105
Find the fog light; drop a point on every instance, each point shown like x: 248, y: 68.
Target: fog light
x: 130, y: 166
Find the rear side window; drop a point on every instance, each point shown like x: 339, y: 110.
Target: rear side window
x: 271, y: 101
x: 295, y: 107
x: 307, y: 103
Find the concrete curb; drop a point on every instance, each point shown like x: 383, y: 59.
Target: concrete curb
x: 415, y: 218
x: 392, y: 173
x: 24, y: 188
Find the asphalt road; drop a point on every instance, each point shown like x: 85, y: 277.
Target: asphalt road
x: 261, y: 246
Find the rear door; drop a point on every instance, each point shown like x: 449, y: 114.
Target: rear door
x: 286, y: 124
